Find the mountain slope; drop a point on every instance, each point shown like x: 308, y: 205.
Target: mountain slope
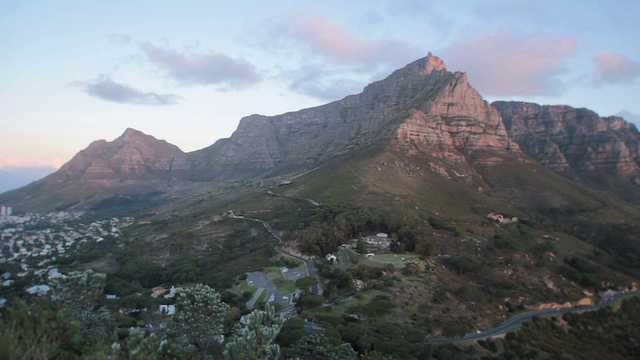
x: 133, y: 164
x: 423, y: 92
x: 579, y: 144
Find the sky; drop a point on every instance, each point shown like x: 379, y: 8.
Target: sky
x: 72, y: 72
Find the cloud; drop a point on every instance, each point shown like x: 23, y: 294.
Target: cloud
x: 317, y: 82
x: 191, y: 68
x: 106, y: 89
x: 614, y: 68
x: 629, y: 116
x: 317, y: 36
x: 334, y: 61
x: 503, y: 64
x: 14, y: 163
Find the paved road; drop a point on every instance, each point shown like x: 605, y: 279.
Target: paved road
x: 261, y: 280
x: 311, y: 201
x: 515, y: 321
x: 280, y: 249
x: 308, y: 263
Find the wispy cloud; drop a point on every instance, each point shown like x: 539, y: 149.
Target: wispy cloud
x: 14, y: 163
x: 335, y: 61
x: 503, y: 64
x: 320, y: 83
x: 317, y: 36
x: 612, y: 68
x: 629, y: 116
x: 106, y: 89
x: 193, y: 68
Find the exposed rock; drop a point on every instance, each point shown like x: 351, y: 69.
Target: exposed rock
x: 421, y: 102
x: 577, y: 143
x: 132, y: 156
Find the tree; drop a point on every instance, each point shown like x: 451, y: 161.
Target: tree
x: 318, y: 347
x: 78, y: 294
x: 361, y: 246
x: 253, y: 340
x: 199, y: 318
x: 304, y: 283
x: 38, y: 332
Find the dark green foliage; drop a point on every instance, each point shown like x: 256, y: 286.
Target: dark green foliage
x: 304, y: 283
x: 309, y: 301
x: 506, y: 242
x: 39, y: 331
x: 380, y: 305
x: 318, y: 347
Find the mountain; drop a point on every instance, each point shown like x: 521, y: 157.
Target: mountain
x: 421, y: 110
x: 134, y: 164
x: 422, y: 103
x: 487, y: 209
x: 577, y: 143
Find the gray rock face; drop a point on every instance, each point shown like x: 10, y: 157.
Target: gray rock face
x: 132, y: 156
x: 421, y: 102
x: 577, y: 143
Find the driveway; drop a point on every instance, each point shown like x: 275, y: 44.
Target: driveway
x: 261, y: 280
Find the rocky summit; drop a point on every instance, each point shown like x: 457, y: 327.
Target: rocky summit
x: 132, y: 156
x: 435, y: 111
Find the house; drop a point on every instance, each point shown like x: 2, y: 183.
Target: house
x: 158, y: 291
x: 167, y: 309
x: 501, y: 218
x: 331, y: 257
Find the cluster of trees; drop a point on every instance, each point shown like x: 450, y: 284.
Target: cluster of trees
x: 73, y: 325
x: 324, y: 229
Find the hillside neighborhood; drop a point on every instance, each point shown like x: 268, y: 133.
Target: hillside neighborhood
x: 30, y: 242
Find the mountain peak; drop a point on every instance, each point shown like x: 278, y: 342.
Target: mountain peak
x: 131, y: 134
x: 432, y: 62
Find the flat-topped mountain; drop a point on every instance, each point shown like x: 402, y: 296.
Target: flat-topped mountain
x: 422, y: 102
x: 421, y: 109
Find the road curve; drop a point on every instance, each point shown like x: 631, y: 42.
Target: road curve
x: 515, y: 321
x: 310, y: 272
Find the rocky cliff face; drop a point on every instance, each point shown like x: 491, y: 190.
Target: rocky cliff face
x: 132, y: 156
x: 577, y: 143
x: 456, y: 120
x: 421, y: 103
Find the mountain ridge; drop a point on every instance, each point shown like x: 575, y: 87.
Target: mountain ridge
x: 433, y: 110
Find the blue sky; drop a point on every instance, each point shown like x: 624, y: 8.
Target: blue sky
x: 186, y: 71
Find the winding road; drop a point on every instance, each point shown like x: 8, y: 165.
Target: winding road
x: 309, y: 265
x: 515, y: 321
x: 509, y: 325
